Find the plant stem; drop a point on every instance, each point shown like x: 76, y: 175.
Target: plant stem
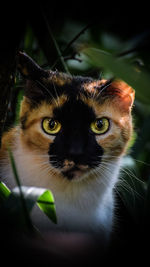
x: 56, y: 45
x: 23, y: 202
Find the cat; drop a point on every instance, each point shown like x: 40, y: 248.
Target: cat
x: 72, y: 135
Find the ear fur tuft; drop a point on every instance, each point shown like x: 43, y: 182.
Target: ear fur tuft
x: 122, y: 93
x: 125, y: 93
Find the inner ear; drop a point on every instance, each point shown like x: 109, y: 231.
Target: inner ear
x: 125, y: 93
x: 121, y: 93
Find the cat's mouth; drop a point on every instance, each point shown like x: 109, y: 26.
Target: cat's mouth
x: 75, y: 172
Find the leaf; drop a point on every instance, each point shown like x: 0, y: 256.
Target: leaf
x: 21, y: 204
x: 13, y: 165
x: 4, y: 192
x: 28, y: 197
x: 46, y: 204
x: 34, y: 195
x: 140, y: 81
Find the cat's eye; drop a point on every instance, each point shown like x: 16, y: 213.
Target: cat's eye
x: 100, y: 126
x: 51, y: 126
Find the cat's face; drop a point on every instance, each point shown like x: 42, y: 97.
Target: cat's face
x: 78, y: 122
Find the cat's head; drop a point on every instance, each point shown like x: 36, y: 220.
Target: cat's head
x: 77, y: 121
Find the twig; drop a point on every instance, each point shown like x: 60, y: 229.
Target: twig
x: 71, y: 42
x: 77, y: 36
x: 56, y: 45
x: 73, y: 56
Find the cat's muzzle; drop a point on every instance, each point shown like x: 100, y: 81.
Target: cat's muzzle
x: 72, y: 171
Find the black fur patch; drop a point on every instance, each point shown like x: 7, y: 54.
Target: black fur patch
x: 39, y: 90
x: 75, y: 141
x: 23, y: 120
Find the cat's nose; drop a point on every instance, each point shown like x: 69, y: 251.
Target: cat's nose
x: 76, y: 153
x: 76, y: 148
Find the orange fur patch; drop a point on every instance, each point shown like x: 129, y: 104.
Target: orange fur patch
x: 33, y: 139
x: 115, y: 141
x: 43, y: 110
x: 91, y: 86
x: 9, y: 139
x: 57, y: 78
x: 122, y: 93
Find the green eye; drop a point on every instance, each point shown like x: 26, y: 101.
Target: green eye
x: 100, y: 126
x: 51, y: 126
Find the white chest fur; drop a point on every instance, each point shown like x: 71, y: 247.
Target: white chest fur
x: 85, y: 205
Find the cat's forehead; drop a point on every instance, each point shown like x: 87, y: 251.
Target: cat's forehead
x: 73, y: 110
x: 72, y: 85
x: 72, y: 94
x: 75, y: 95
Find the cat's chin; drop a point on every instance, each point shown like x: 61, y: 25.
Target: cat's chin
x: 76, y: 173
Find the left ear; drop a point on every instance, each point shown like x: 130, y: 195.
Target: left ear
x: 29, y: 68
x: 35, y: 89
x: 123, y: 94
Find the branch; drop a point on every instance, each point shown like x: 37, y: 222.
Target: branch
x: 77, y: 36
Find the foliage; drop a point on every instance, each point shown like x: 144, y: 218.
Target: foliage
x: 107, y: 54
x: 18, y: 203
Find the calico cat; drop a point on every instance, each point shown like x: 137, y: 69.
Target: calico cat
x: 72, y: 135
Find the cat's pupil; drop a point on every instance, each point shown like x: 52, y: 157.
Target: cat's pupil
x: 52, y: 124
x: 99, y: 124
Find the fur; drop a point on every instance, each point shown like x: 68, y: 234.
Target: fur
x: 84, y: 202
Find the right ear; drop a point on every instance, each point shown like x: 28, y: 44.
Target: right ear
x: 29, y: 68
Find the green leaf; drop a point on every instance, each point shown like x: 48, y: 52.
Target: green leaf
x: 29, y: 196
x: 140, y: 81
x: 13, y: 165
x: 22, y: 205
x: 40, y: 196
x: 4, y: 192
x: 46, y: 204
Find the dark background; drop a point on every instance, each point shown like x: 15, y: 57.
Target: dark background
x: 26, y: 27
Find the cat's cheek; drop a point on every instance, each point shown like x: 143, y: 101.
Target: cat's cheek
x: 50, y: 138
x: 112, y: 144
x: 35, y: 138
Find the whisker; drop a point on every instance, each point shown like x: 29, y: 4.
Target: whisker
x: 122, y: 183
x: 106, y: 169
x: 46, y: 89
x: 58, y: 103
x: 104, y: 87
x: 126, y: 187
x: 139, y: 161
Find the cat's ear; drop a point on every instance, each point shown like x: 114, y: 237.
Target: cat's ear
x: 29, y: 68
x: 123, y: 94
x: 126, y: 94
x: 35, y: 89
